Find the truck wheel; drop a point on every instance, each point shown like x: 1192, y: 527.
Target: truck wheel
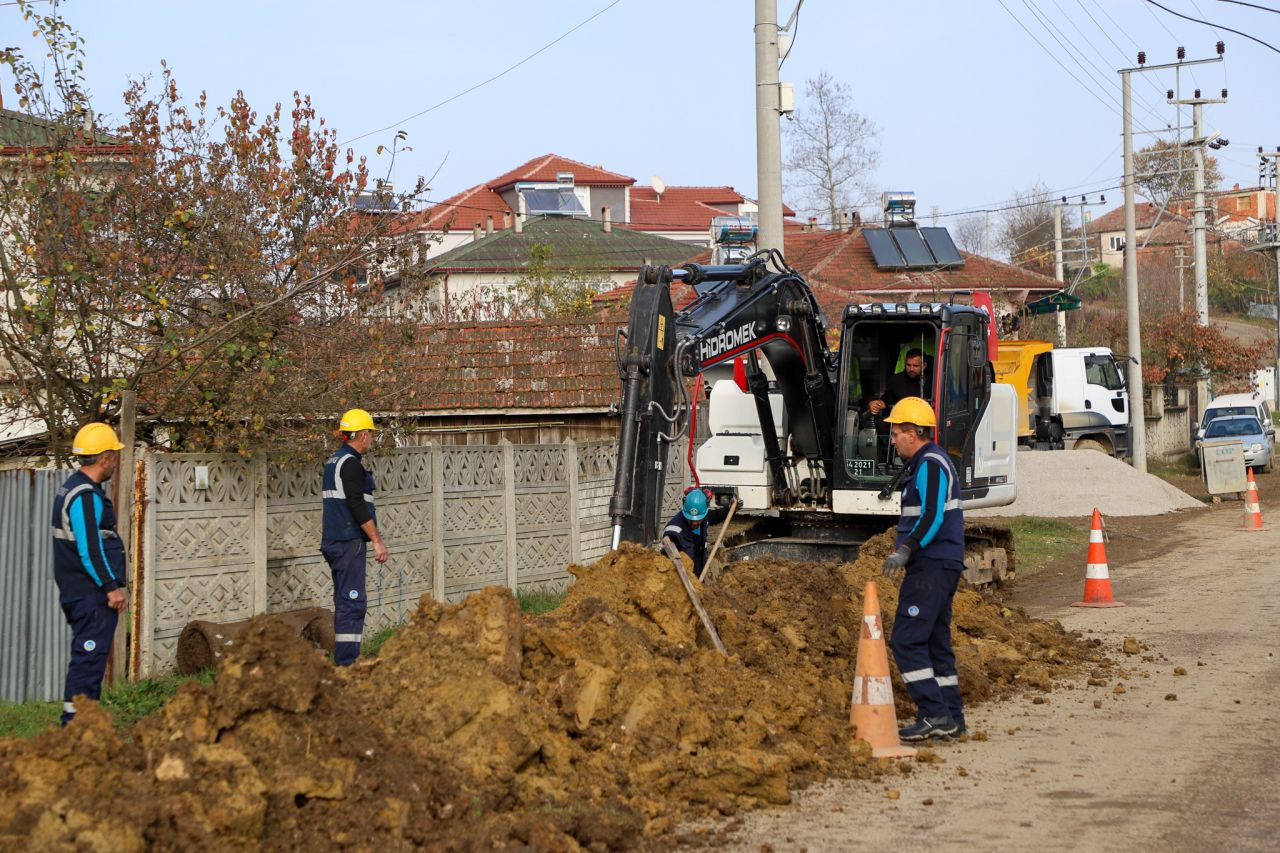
x: 1091, y: 444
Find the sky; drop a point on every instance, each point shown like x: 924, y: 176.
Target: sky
x: 971, y: 108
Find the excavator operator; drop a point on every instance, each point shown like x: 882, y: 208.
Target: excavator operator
x: 911, y: 382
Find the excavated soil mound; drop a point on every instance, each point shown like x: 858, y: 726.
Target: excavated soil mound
x: 600, y: 725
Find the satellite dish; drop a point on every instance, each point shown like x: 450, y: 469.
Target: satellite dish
x: 659, y: 186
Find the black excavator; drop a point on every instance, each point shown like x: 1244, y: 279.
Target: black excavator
x: 787, y: 428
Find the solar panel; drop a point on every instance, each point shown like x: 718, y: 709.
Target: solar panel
x: 913, y: 249
x: 883, y: 249
x: 553, y: 201
x: 943, y: 247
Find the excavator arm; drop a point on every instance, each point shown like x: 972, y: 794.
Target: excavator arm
x: 761, y: 309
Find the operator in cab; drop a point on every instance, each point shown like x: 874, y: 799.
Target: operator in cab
x: 687, y: 529
x: 930, y: 548
x: 911, y: 382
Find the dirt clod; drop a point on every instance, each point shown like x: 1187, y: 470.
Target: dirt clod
x: 1171, y: 697
x: 1178, y: 670
x: 597, y: 726
x: 1131, y: 646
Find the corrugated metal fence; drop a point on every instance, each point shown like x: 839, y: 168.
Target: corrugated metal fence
x: 35, y: 641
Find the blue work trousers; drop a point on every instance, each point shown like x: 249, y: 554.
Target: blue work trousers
x: 93, y: 625
x: 346, y: 560
x: 921, y: 638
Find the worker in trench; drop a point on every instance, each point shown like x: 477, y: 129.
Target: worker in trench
x: 88, y: 562
x: 930, y: 549
x: 350, y: 524
x: 687, y: 529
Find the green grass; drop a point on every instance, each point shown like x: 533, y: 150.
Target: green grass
x: 373, y: 645
x: 1184, y: 466
x: 1039, y: 541
x: 127, y: 703
x: 539, y: 601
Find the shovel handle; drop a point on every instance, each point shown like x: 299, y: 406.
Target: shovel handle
x: 671, y: 551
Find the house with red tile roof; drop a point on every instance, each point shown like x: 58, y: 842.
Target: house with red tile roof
x: 552, y: 184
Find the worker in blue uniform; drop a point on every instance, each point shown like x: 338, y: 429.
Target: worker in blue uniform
x: 687, y: 529
x: 930, y: 547
x: 88, y: 562
x: 350, y: 524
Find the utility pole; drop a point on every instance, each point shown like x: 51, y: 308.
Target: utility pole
x: 1137, y: 403
x: 1269, y: 239
x: 1058, y: 271
x: 1180, y: 259
x: 768, y: 138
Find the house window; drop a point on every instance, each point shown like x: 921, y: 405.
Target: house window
x: 560, y: 201
x: 1244, y: 203
x: 1116, y: 243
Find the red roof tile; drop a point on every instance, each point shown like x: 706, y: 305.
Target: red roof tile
x: 461, y: 211
x: 546, y: 365
x: 1113, y: 220
x: 681, y: 208
x: 546, y: 167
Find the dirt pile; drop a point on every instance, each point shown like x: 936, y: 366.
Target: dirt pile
x: 1067, y: 483
x: 596, y: 726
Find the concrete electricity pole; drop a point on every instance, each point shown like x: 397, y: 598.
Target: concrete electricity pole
x: 1199, y: 253
x: 1058, y: 271
x: 768, y: 139
x: 1269, y: 239
x: 1137, y: 403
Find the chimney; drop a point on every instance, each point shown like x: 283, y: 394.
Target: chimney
x: 844, y: 220
x: 519, y: 223
x: 488, y: 224
x: 855, y: 219
x: 506, y: 220
x: 813, y: 224
x: 606, y: 214
x: 475, y: 231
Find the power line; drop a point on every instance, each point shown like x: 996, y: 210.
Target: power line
x: 1242, y: 3
x: 1114, y: 43
x: 1267, y: 45
x: 486, y: 82
x: 1045, y: 22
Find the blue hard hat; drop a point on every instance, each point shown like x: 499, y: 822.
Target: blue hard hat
x: 695, y: 505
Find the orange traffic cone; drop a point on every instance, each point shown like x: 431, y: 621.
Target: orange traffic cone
x: 1097, y: 578
x: 872, y: 713
x: 1252, y: 509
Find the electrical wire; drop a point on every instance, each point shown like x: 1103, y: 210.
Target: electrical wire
x: 1124, y: 56
x: 1090, y: 72
x: 1267, y: 45
x: 489, y: 80
x: 1242, y: 3
x: 1059, y: 63
x: 795, y: 20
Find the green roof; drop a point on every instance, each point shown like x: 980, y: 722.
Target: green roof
x: 581, y: 244
x: 20, y: 130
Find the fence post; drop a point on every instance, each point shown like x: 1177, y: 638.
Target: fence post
x: 437, y: 521
x: 144, y: 576
x: 259, y: 579
x: 123, y: 487
x: 575, y: 523
x: 509, y: 511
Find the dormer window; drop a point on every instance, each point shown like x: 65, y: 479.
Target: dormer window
x: 544, y: 200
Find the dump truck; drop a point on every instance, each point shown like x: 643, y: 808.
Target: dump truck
x: 793, y: 440
x: 1069, y: 398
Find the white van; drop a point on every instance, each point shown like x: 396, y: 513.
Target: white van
x: 1239, y: 404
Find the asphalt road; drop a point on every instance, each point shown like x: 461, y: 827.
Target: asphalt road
x: 1195, y: 772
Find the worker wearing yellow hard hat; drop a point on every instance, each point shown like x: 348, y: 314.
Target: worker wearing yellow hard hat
x: 88, y: 562
x: 350, y: 523
x: 930, y: 549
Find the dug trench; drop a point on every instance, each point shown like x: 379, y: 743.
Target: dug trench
x: 604, y: 725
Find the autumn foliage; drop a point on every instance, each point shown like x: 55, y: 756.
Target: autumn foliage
x: 207, y: 257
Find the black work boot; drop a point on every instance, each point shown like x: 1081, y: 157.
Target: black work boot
x: 928, y: 728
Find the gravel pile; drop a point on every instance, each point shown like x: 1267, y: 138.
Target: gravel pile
x: 1064, y: 483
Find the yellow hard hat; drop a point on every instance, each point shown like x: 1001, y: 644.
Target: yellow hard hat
x: 912, y: 410
x: 355, y: 420
x: 93, y: 439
